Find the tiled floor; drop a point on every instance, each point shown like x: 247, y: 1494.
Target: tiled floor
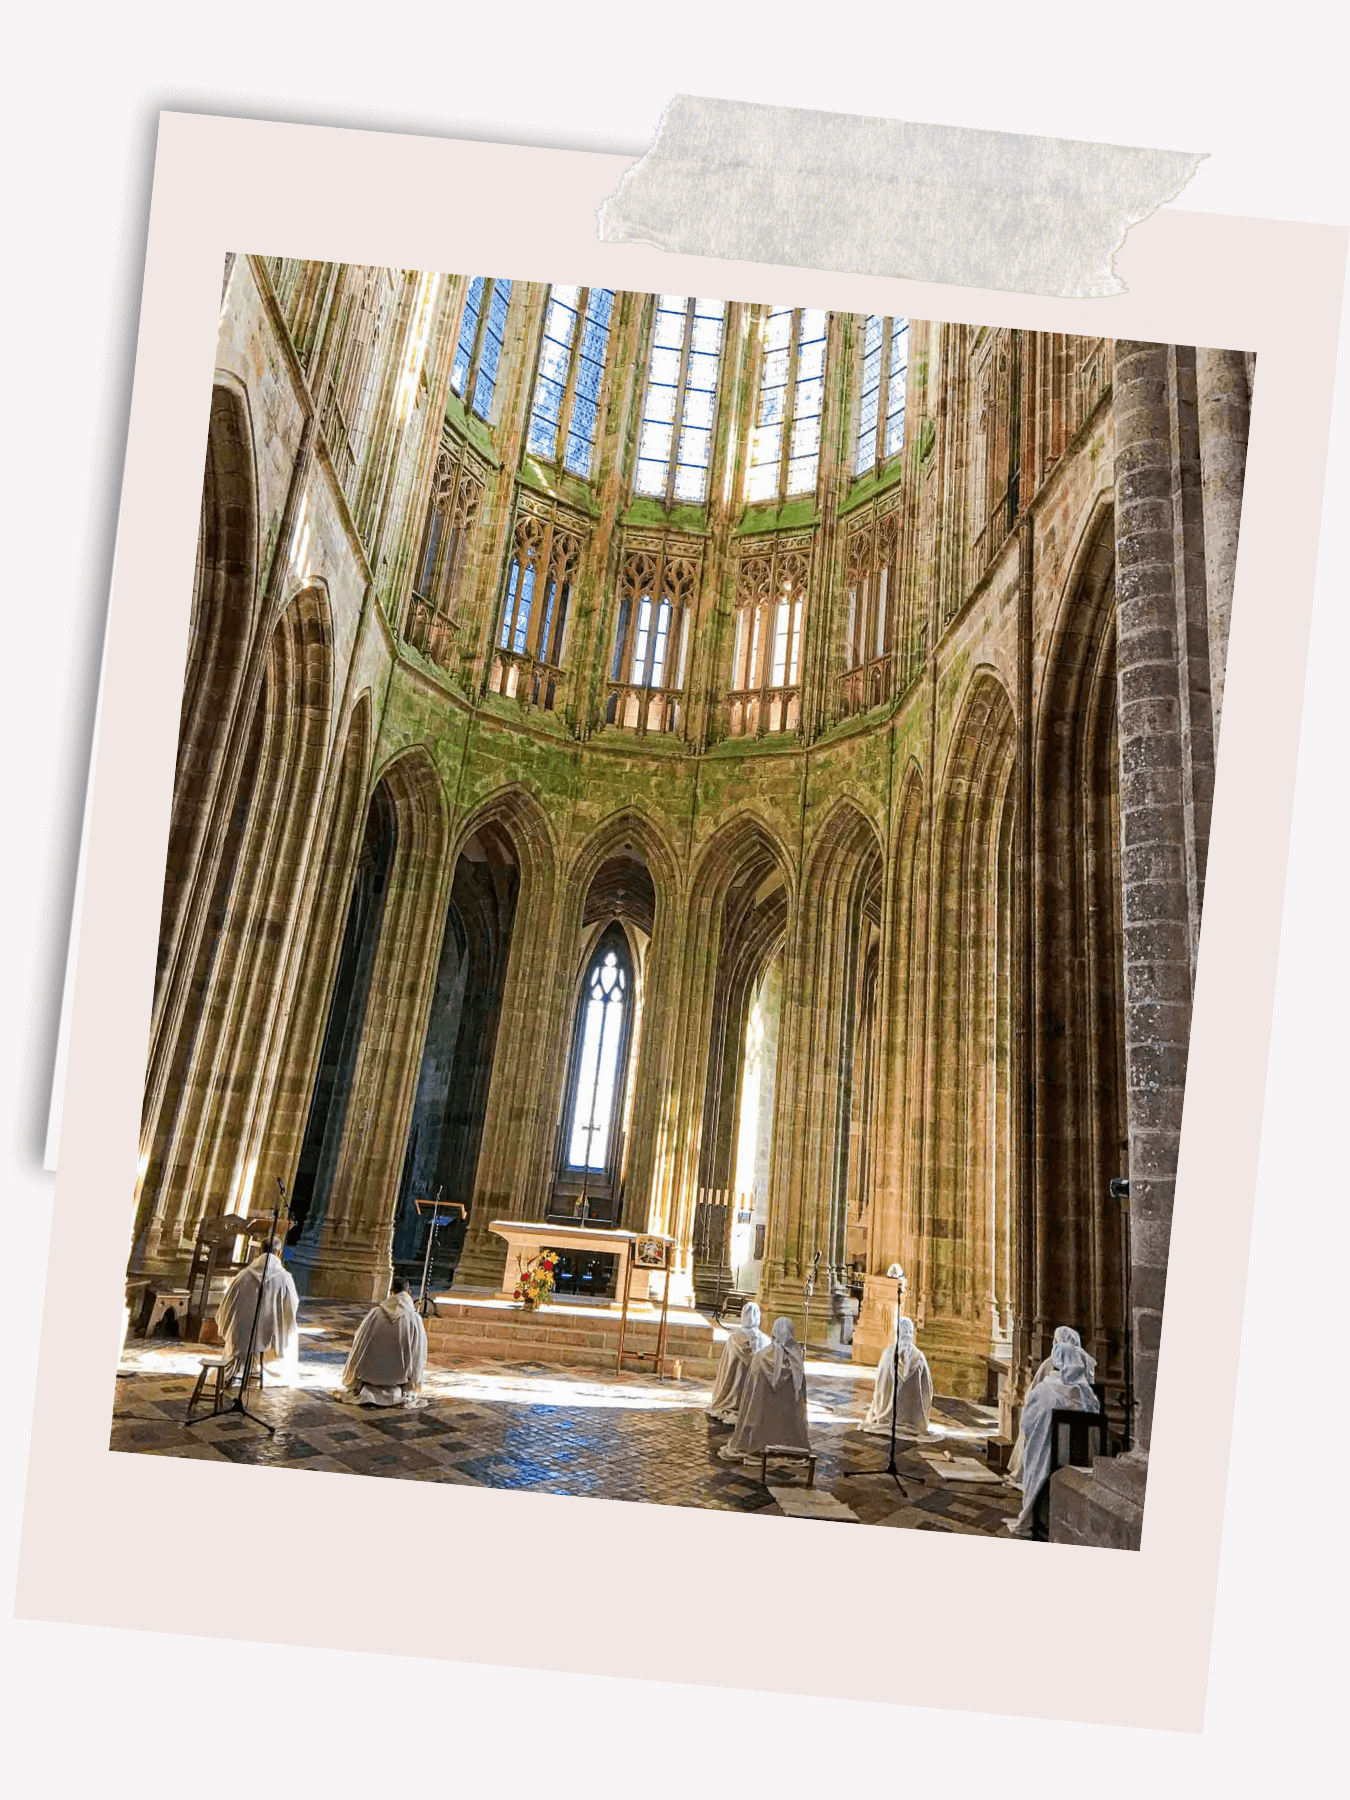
x: 560, y: 1430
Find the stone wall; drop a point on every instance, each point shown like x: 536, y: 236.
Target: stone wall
x: 975, y: 857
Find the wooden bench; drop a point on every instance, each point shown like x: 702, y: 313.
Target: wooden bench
x: 785, y: 1453
x: 1080, y: 1427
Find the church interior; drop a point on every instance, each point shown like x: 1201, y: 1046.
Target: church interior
x: 704, y: 805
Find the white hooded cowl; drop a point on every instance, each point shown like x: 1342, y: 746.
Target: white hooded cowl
x: 742, y: 1343
x: 916, y: 1385
x: 773, y: 1404
x: 277, y: 1340
x: 388, y: 1355
x: 1065, y: 1387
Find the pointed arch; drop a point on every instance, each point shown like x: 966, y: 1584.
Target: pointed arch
x: 352, y: 1256
x: 206, y: 1112
x: 1081, y: 1134
x: 626, y: 830
x: 966, y: 1191
x: 221, y: 631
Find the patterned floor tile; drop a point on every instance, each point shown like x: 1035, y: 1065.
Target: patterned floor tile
x: 548, y: 1428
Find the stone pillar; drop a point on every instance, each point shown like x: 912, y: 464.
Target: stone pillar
x: 1223, y: 396
x: 1107, y: 1505
x: 1155, y: 897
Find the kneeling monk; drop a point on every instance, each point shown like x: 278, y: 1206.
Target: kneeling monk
x: 741, y: 1345
x: 916, y: 1385
x: 773, y: 1402
x: 389, y: 1352
x: 276, y: 1340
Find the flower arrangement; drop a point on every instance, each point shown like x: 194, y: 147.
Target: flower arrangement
x: 535, y: 1287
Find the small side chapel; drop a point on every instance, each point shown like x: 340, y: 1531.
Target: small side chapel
x: 731, y: 771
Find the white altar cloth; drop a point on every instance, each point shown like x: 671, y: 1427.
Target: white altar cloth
x: 525, y: 1238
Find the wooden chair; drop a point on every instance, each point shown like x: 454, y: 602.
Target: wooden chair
x: 1080, y: 1427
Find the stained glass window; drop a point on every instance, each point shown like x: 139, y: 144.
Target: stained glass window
x: 478, y: 349
x: 785, y: 443
x: 598, y: 1066
x: 566, y: 406
x: 675, y: 445
x: 881, y: 392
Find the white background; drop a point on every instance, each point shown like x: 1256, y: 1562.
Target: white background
x: 1262, y: 93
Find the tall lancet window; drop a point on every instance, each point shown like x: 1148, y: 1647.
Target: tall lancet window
x: 785, y: 444
x: 565, y: 412
x: 675, y: 448
x: 881, y: 392
x: 596, y: 1095
x: 478, y: 350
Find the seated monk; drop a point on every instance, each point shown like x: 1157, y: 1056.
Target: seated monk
x: 276, y: 1340
x: 1064, y: 1334
x: 1066, y: 1386
x: 741, y: 1345
x: 773, y: 1400
x: 916, y: 1385
x: 389, y: 1352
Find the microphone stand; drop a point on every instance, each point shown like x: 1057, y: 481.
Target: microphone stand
x: 238, y: 1403
x: 891, y: 1468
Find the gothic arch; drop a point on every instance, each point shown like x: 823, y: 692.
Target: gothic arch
x: 207, y: 1107
x: 1073, y: 1237
x: 626, y: 829
x: 224, y: 604
x: 965, y: 1222
x: 333, y: 872
x: 352, y: 1255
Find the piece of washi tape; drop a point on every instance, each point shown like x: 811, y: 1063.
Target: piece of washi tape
x: 823, y: 190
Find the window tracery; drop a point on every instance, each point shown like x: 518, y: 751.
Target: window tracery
x: 595, y: 1092
x: 658, y: 588
x: 996, y: 381
x: 367, y: 308
x: 565, y: 410
x: 680, y: 403
x: 456, y: 500
x: 545, y: 555
x: 478, y: 349
x: 771, y: 593
x: 785, y: 443
x: 881, y: 394
x: 872, y: 583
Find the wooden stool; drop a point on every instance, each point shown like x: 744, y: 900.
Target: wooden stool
x: 785, y: 1453
x: 216, y: 1379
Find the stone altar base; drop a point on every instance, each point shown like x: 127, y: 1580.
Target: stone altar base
x: 577, y: 1333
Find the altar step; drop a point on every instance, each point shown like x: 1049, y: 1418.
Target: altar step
x: 582, y: 1336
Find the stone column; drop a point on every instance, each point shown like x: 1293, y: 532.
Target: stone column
x: 1106, y: 1506
x: 1223, y: 397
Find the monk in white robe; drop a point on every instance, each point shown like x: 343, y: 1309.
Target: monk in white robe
x: 916, y: 1385
x: 742, y: 1344
x: 389, y: 1353
x: 773, y: 1401
x: 276, y: 1340
x: 1064, y: 1334
x: 1067, y: 1387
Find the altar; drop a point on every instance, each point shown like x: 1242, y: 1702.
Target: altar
x: 525, y: 1238
x: 587, y: 1332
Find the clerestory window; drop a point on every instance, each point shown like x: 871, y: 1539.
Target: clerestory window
x: 565, y: 411
x: 478, y: 350
x: 881, y: 392
x: 785, y: 444
x: 680, y: 405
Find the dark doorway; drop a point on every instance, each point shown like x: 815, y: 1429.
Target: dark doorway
x: 446, y: 1131
x: 346, y: 1015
